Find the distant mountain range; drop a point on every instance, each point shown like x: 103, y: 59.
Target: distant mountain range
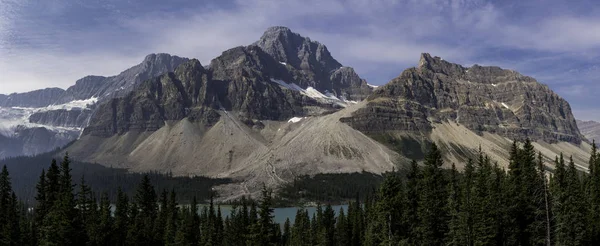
x: 42, y: 120
x: 590, y: 129
x: 283, y: 107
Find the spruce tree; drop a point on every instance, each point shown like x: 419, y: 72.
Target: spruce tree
x: 121, y: 218
x: 265, y: 224
x: 432, y: 215
x: 413, y: 181
x: 342, y: 229
x: 467, y: 208
x: 285, y: 239
x: 454, y: 236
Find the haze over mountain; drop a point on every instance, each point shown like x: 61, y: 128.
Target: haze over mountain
x: 590, y: 129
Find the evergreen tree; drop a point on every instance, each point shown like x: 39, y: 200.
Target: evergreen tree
x: 414, y: 177
x: 593, y: 194
x: 171, y: 213
x: 454, y: 236
x: 266, y: 234
x: 121, y: 218
x: 342, y: 229
x: 60, y: 225
x: 142, y: 228
x: 285, y: 238
x: 432, y: 215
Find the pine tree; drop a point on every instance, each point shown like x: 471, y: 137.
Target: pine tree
x: 60, y: 225
x: 387, y: 222
x: 160, y: 224
x: 574, y: 209
x: 465, y: 229
x: 342, y: 229
x: 265, y: 224
x: 593, y: 194
x: 121, y: 218
x: 9, y: 221
x: 103, y: 233
x: 171, y: 213
x: 285, y: 238
x: 414, y: 177
x: 454, y: 236
x: 42, y: 206
x: 484, y: 218
x: 431, y: 211
x: 86, y: 206
x: 301, y: 229
x: 141, y: 230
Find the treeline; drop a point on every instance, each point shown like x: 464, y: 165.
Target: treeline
x: 484, y: 205
x: 338, y: 188
x: 25, y: 172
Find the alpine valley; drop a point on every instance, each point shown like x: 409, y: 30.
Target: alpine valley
x: 283, y: 107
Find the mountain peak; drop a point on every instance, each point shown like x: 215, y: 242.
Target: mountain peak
x: 277, y: 30
x: 298, y: 51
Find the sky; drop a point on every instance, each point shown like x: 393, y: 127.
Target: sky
x: 52, y: 43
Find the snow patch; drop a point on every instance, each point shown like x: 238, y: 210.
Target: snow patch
x: 295, y: 119
x: 283, y: 63
x: 494, y: 85
x: 311, y: 92
x: 373, y: 86
x: 506, y: 106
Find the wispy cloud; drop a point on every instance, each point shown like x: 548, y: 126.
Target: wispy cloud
x: 55, y: 42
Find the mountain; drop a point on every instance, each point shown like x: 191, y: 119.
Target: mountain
x: 33, y: 99
x: 42, y: 120
x: 312, y: 65
x: 239, y: 116
x: 590, y: 129
x: 440, y: 101
x: 283, y: 107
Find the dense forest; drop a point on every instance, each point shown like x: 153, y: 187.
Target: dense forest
x: 25, y: 172
x: 484, y: 205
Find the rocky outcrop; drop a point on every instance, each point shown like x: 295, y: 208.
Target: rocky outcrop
x: 484, y: 99
x: 237, y: 81
x: 106, y: 88
x: 590, y: 129
x: 32, y: 99
x: 311, y: 64
x: 62, y: 118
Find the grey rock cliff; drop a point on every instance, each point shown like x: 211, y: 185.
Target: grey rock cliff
x: 487, y: 99
x: 311, y: 64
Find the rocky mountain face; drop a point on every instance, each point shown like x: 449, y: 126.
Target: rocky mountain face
x: 238, y: 81
x: 42, y: 120
x: 283, y: 107
x: 105, y: 88
x: 312, y: 65
x: 590, y: 129
x: 33, y: 99
x: 484, y: 99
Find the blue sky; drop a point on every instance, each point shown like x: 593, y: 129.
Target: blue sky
x: 52, y: 43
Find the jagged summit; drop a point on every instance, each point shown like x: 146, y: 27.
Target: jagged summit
x: 296, y: 50
x: 311, y: 64
x: 475, y: 73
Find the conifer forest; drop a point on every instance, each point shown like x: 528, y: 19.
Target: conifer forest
x: 525, y: 204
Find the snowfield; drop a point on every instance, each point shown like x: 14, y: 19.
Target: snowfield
x: 13, y: 117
